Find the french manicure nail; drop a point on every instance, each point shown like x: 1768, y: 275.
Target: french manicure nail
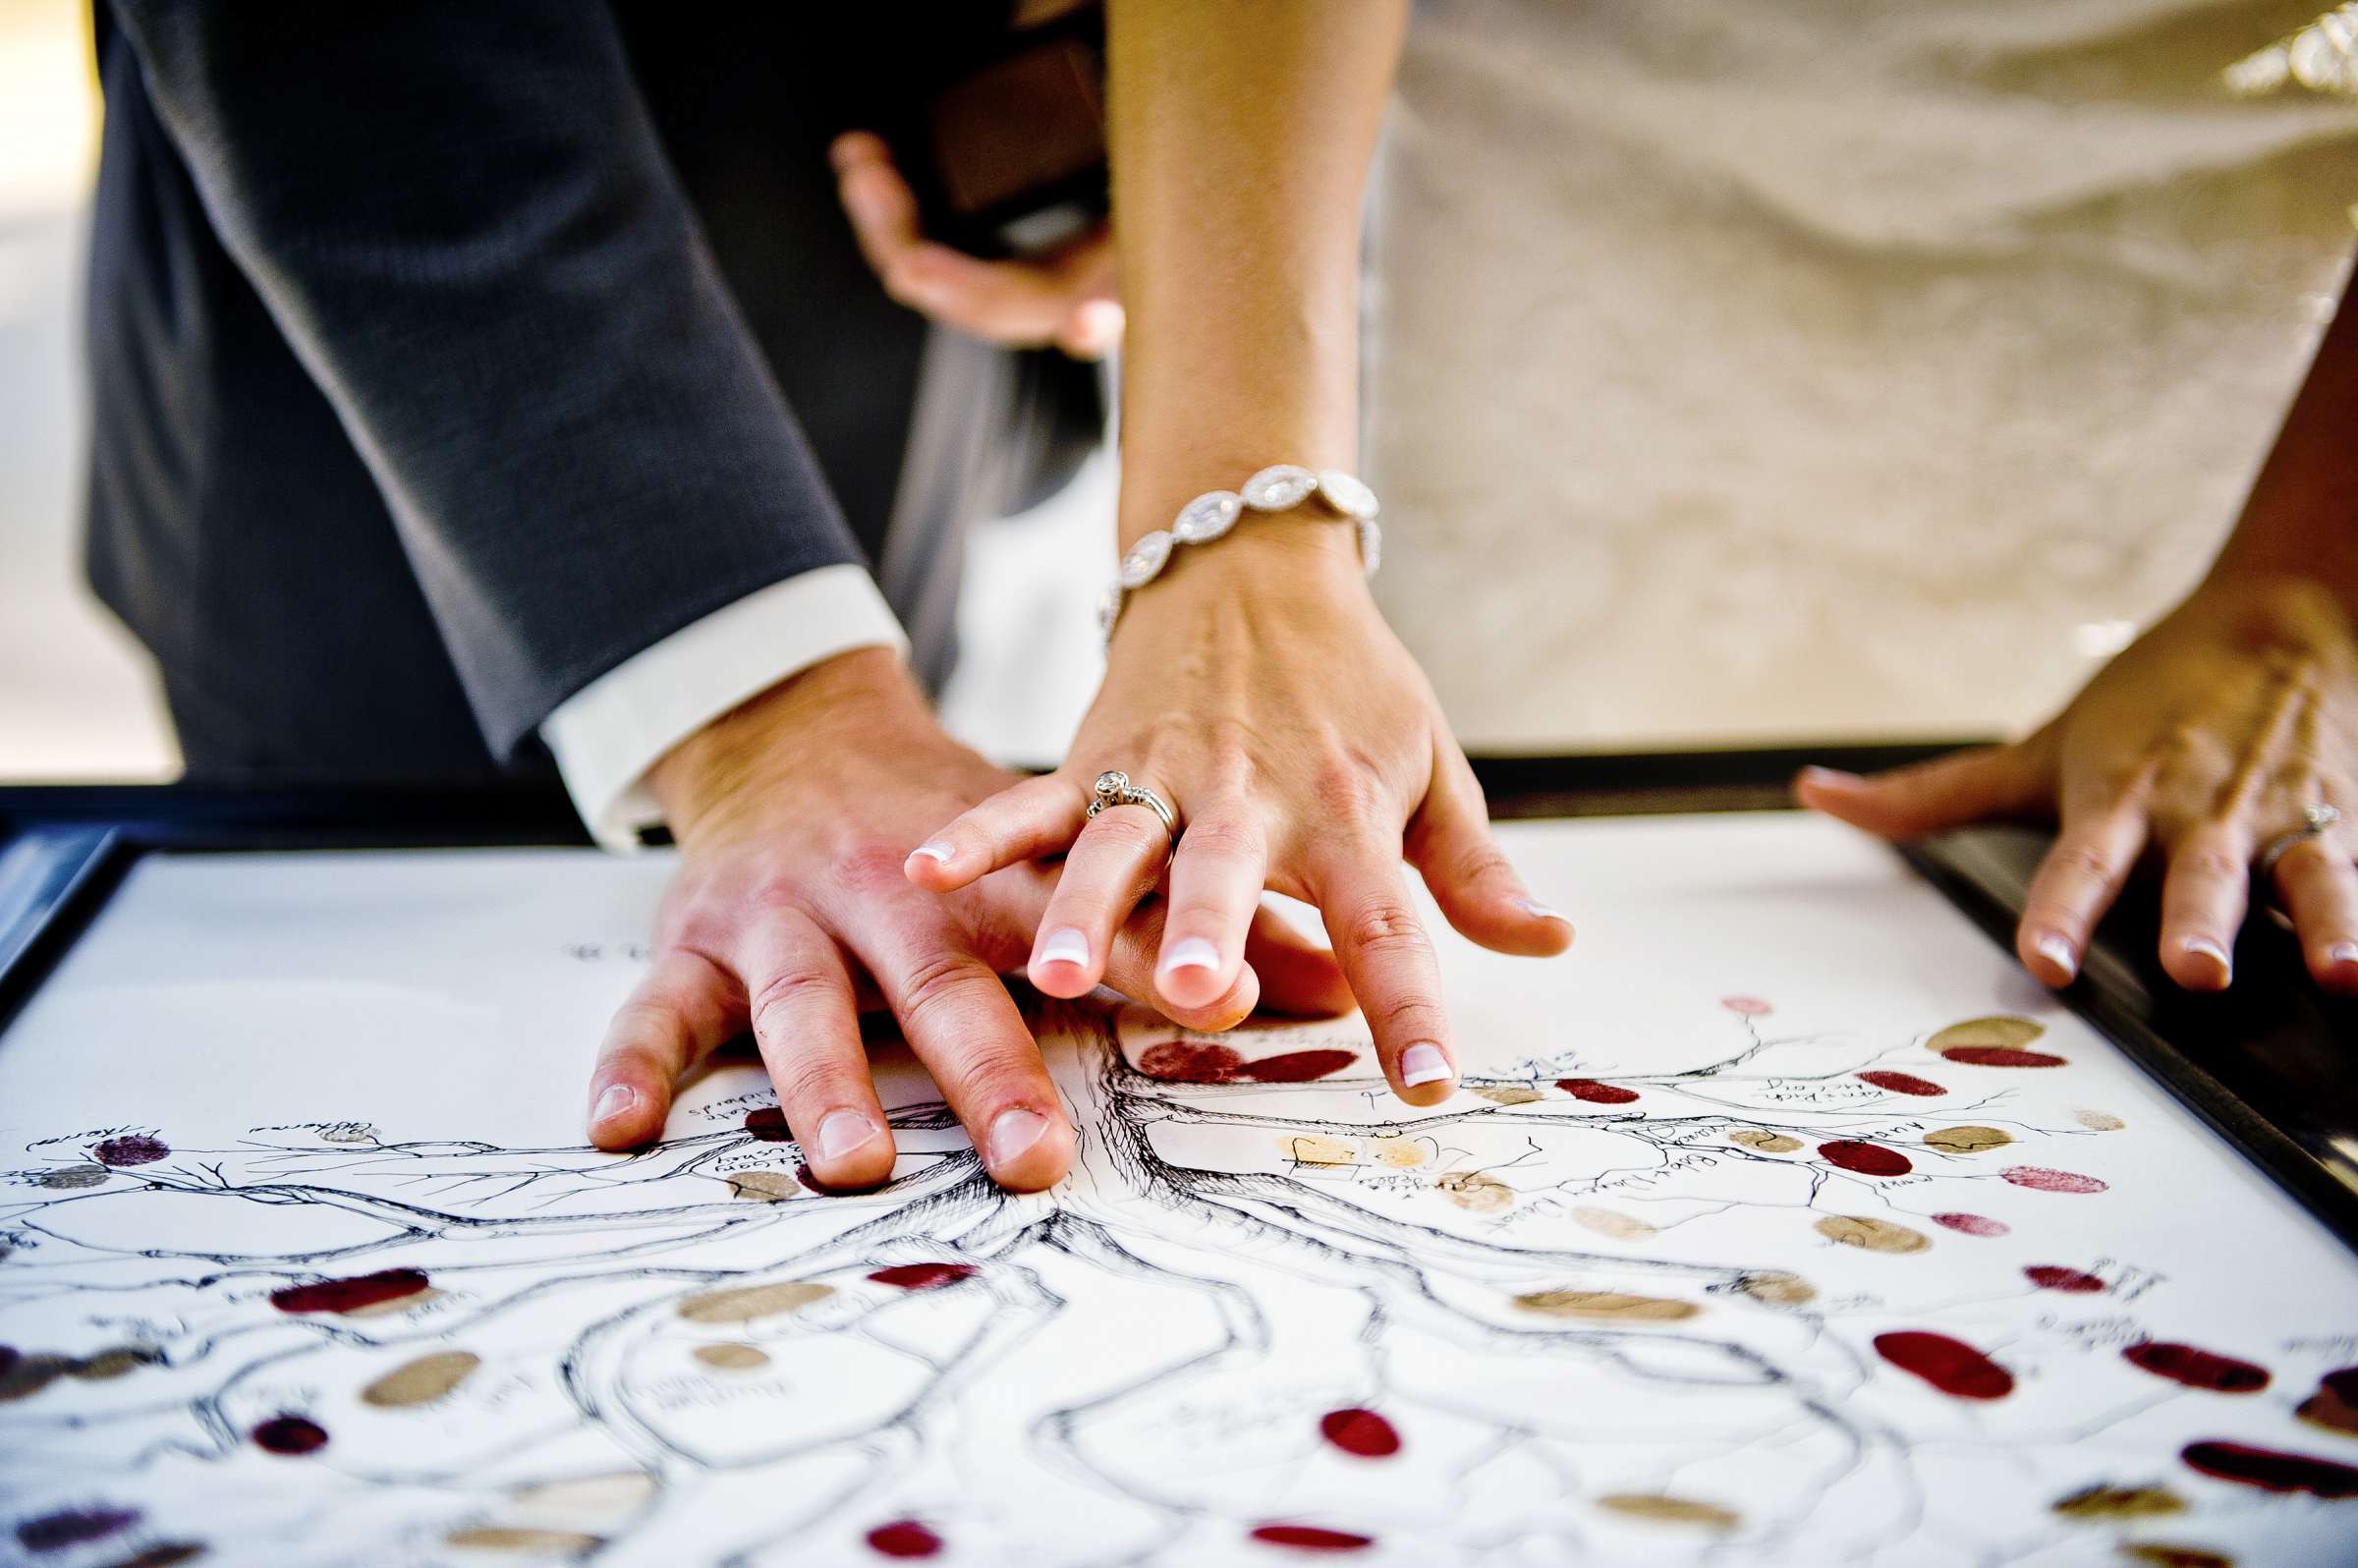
x: 935, y: 850
x: 1423, y: 1064
x: 2343, y: 953
x: 1539, y: 910
x: 840, y: 1132
x: 617, y: 1098
x: 1192, y: 952
x: 2209, y: 949
x: 1065, y: 945
x: 1014, y: 1132
x: 2057, y: 951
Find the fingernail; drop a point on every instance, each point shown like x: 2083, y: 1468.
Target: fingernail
x: 1066, y: 945
x: 1813, y: 774
x: 2343, y: 953
x: 2057, y: 951
x: 1423, y: 1064
x: 1192, y: 952
x: 1012, y: 1134
x: 1099, y: 325
x: 843, y: 1131
x: 1539, y: 910
x: 617, y: 1098
x: 935, y: 850
x: 2210, y: 949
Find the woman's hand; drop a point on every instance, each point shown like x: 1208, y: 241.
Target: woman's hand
x: 2205, y: 738
x: 1066, y: 298
x: 793, y: 815
x: 1255, y: 689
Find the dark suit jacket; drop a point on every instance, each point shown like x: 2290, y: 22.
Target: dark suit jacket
x: 446, y: 354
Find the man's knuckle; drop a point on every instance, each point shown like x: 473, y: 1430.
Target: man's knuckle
x: 1386, y: 927
x: 790, y: 992
x: 865, y: 869
x: 939, y: 980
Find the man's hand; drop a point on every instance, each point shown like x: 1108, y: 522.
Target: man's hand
x: 795, y: 815
x: 1066, y: 298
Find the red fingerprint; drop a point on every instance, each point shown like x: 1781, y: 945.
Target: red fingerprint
x: 1902, y: 1082
x: 1298, y: 1067
x: 1360, y: 1432
x: 2001, y: 1056
x: 2042, y: 1180
x: 2054, y: 1277
x: 1951, y: 1365
x: 1973, y: 1224
x: 923, y: 1276
x: 1746, y: 1006
x: 1596, y: 1093
x: 1868, y: 1159
x: 350, y: 1295
x: 903, y: 1538
x: 136, y: 1149
x: 2343, y: 1383
x: 769, y: 1124
x: 290, y: 1434
x: 2197, y: 1367
x: 1181, y: 1061
x: 1312, y: 1537
x: 2270, y: 1471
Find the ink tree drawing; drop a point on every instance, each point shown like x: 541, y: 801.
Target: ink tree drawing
x: 1818, y: 1300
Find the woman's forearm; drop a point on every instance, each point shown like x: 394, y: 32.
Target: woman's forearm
x: 1241, y: 135
x: 2301, y: 519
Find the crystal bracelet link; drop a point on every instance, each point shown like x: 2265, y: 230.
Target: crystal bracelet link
x: 1279, y: 488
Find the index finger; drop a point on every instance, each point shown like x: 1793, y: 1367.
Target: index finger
x: 1390, y: 963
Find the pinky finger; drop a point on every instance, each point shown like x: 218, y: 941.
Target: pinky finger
x: 2319, y: 888
x: 1025, y: 821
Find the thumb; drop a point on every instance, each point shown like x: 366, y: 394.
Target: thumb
x: 1929, y: 797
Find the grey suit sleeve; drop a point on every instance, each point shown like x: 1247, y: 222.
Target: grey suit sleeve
x: 459, y: 215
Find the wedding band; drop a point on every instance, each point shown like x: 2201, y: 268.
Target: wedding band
x: 1115, y: 787
x: 2316, y: 817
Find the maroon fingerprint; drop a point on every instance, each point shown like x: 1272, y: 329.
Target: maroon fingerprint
x: 2271, y: 1470
x: 1951, y: 1365
x: 2343, y: 1383
x: 8, y: 1356
x: 1868, y: 1159
x: 136, y: 1149
x: 2197, y: 1367
x: 1902, y: 1082
x: 1746, y: 1006
x: 72, y: 1527
x: 164, y: 1555
x: 350, y: 1295
x: 1181, y: 1061
x: 290, y: 1434
x: 769, y: 1124
x: 2054, y: 1277
x: 903, y: 1538
x: 1312, y: 1538
x: 923, y: 1276
x: 1298, y: 1067
x: 2001, y: 1056
x: 2040, y: 1179
x: 1973, y: 1224
x: 1596, y: 1093
x: 1360, y: 1432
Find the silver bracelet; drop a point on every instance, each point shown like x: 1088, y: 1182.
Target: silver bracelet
x: 1209, y: 516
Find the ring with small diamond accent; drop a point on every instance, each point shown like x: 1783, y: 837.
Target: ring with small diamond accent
x: 2316, y: 819
x: 1113, y: 788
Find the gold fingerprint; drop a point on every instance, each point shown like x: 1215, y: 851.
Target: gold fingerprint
x: 1968, y: 1140
x: 763, y: 1186
x: 1777, y: 1288
x: 421, y: 1381
x: 1767, y: 1142
x: 524, y: 1543
x: 2097, y: 1121
x: 108, y: 1364
x: 1671, y: 1510
x: 732, y: 1357
x: 1510, y: 1094
x: 619, y: 1493
x: 1401, y: 1153
x: 2100, y: 1501
x: 1309, y: 1149
x: 2009, y: 1033
x: 1472, y: 1190
x: 1612, y: 1304
x: 749, y: 1301
x: 1613, y: 1222
x: 1872, y: 1235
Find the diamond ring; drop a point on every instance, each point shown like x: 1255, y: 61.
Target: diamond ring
x: 2316, y: 819
x: 1113, y: 788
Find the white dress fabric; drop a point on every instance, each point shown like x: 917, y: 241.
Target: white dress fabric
x: 1757, y: 370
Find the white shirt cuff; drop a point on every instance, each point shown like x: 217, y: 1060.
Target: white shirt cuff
x: 607, y: 735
